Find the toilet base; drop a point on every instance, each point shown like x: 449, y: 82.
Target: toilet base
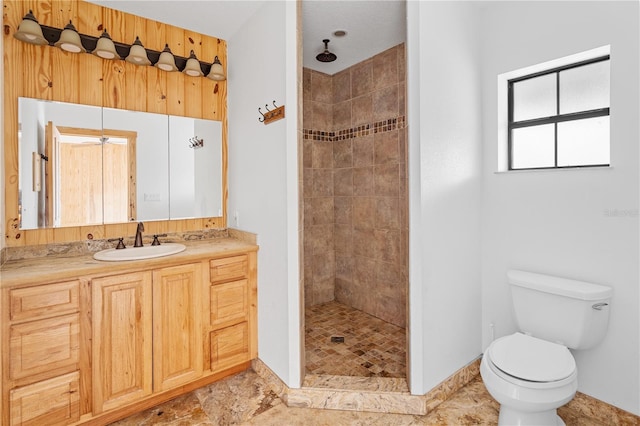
x: 511, y: 417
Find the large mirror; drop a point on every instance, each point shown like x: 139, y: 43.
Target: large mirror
x: 84, y: 165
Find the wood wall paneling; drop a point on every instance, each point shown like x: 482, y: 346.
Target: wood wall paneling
x: 48, y: 73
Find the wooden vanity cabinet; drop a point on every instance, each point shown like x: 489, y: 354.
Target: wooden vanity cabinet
x: 103, y: 346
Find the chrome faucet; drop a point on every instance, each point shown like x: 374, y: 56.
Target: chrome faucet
x: 138, y: 241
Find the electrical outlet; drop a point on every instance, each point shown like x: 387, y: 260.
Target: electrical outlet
x: 236, y: 218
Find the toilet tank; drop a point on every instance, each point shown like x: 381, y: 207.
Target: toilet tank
x: 569, y: 312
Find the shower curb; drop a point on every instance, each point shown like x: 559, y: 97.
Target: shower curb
x: 379, y: 395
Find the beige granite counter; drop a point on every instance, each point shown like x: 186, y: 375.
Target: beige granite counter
x: 16, y: 273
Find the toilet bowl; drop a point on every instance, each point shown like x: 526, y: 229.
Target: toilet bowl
x: 530, y: 378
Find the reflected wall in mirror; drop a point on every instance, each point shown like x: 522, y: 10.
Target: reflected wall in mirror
x: 84, y: 165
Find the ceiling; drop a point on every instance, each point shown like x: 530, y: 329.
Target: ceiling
x: 372, y: 26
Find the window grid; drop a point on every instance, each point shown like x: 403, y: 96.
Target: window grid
x: 554, y: 119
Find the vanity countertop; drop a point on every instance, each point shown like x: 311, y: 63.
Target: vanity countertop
x: 16, y: 273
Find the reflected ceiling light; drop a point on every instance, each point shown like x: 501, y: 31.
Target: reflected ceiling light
x: 105, y: 47
x: 167, y: 61
x: 70, y: 40
x: 193, y: 66
x: 217, y: 72
x: 30, y: 30
x: 137, y: 54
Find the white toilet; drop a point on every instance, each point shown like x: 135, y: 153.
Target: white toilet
x: 531, y: 373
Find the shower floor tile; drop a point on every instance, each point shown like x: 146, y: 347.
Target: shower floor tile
x: 371, y: 347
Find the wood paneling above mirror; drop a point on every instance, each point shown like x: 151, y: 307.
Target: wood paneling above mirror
x: 45, y: 72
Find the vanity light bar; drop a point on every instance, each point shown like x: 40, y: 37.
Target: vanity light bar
x: 52, y: 37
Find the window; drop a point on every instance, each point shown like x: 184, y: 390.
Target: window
x: 559, y: 118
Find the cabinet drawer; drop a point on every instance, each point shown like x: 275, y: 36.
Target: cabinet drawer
x: 50, y: 402
x: 44, y: 300
x: 229, y: 302
x: 229, y: 346
x: 44, y: 345
x: 228, y: 268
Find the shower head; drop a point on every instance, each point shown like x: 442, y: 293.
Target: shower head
x: 326, y: 56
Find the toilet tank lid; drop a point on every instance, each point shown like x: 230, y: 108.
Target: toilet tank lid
x: 562, y: 286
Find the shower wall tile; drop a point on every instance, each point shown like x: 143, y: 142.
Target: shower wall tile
x: 343, y: 210
x: 321, y: 87
x: 385, y: 103
x: 306, y: 84
x: 385, y: 68
x: 307, y: 114
x: 343, y: 240
x: 343, y: 182
x: 307, y: 182
x: 323, y: 292
x: 363, y: 151
x: 362, y: 78
x: 344, y: 267
x: 342, y: 153
x: 322, y: 182
x: 387, y: 213
x: 307, y: 153
x: 342, y: 86
x: 402, y: 99
x: 364, y: 212
x: 322, y: 155
x: 362, y: 110
x: 363, y: 181
x: 324, y: 267
x: 321, y: 210
x: 322, y: 115
x: 342, y: 115
x: 402, y: 70
x: 387, y: 179
x: 362, y: 246
x: 320, y: 238
x: 386, y: 147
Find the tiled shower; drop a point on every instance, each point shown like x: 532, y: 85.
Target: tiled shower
x: 355, y: 227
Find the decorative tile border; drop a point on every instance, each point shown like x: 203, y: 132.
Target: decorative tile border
x: 354, y: 132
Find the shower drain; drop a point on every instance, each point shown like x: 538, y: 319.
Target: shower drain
x: 337, y: 339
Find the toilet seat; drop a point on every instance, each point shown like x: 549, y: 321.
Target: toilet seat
x: 531, y: 359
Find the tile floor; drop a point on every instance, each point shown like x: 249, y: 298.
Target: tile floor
x: 245, y: 399
x: 371, y: 347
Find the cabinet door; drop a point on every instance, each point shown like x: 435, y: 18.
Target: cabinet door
x: 122, y: 327
x: 177, y: 326
x: 50, y: 402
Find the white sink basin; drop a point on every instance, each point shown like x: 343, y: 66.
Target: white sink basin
x: 138, y: 253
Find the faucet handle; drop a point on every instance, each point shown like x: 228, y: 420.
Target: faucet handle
x: 120, y: 242
x: 156, y: 242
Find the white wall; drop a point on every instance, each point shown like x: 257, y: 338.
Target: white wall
x: 444, y: 186
x: 263, y: 174
x: 565, y: 222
